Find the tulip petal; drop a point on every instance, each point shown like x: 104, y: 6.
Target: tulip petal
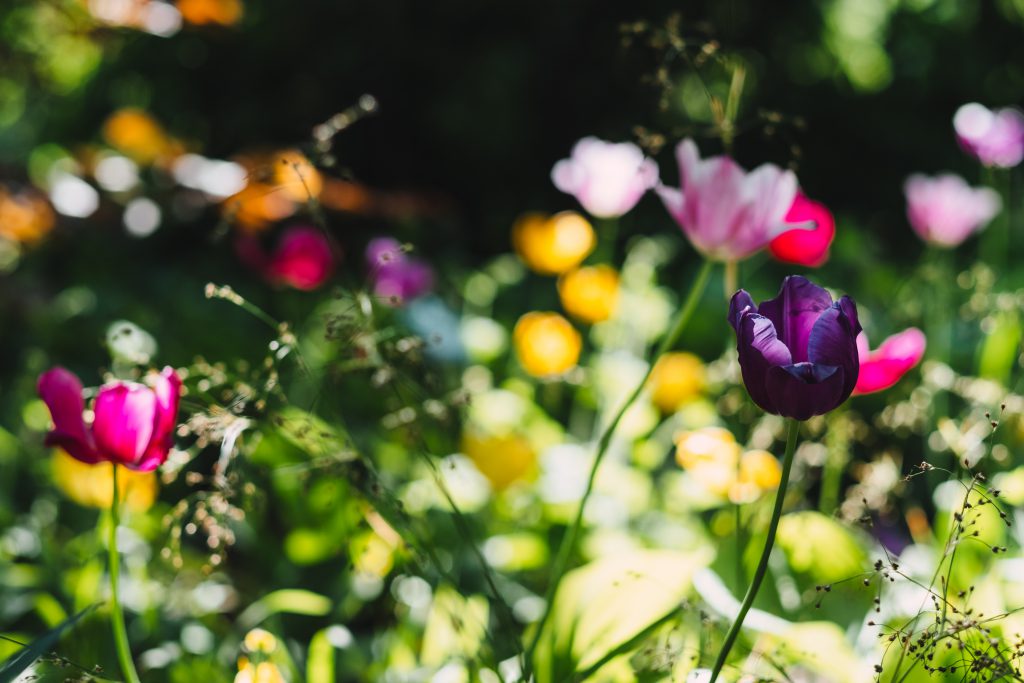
x: 884, y: 367
x: 61, y: 391
x: 167, y: 389
x: 125, y: 421
x: 834, y: 343
x: 803, y: 390
x: 759, y: 351
x: 794, y: 312
x: 738, y: 304
x: 806, y: 247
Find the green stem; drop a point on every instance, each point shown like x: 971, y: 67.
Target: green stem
x: 124, y: 653
x: 762, y: 565
x: 732, y: 279
x: 836, y: 457
x: 568, y: 545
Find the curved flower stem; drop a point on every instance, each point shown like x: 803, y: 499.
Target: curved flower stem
x: 124, y: 653
x: 568, y: 545
x: 762, y: 565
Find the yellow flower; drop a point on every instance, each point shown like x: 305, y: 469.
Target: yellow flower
x: 502, y: 459
x: 260, y: 640
x: 715, y: 460
x: 264, y: 672
x: 759, y: 472
x: 223, y: 12
x: 676, y: 379
x: 93, y: 486
x: 24, y: 216
x: 589, y: 293
x: 296, y: 176
x: 138, y: 135
x: 546, y: 343
x: 553, y: 245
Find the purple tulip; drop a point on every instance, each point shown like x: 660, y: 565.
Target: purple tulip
x: 607, y: 178
x: 996, y: 138
x: 727, y: 213
x: 798, y: 351
x: 945, y: 210
x: 395, y: 276
x: 133, y: 424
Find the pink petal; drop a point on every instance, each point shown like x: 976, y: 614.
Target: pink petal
x: 125, y: 421
x: 61, y: 391
x: 801, y: 246
x: 885, y: 366
x: 167, y: 389
x: 303, y: 259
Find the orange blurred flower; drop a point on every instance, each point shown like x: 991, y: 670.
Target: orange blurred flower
x: 25, y: 216
x: 546, y: 343
x: 139, y: 136
x: 222, y: 12
x: 676, y: 379
x: 589, y: 293
x: 555, y: 244
x: 281, y: 182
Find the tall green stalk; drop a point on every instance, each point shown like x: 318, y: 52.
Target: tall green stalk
x: 762, y: 565
x: 568, y: 545
x: 124, y: 653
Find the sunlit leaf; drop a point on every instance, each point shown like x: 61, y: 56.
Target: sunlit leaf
x: 290, y: 600
x: 455, y: 627
x: 821, y: 547
x: 13, y: 667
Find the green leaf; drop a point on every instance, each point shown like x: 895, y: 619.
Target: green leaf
x: 320, y: 660
x: 313, y: 435
x: 290, y: 600
x: 821, y: 547
x: 602, y: 607
x: 17, y: 664
x: 1000, y: 349
x: 822, y: 647
x: 455, y: 627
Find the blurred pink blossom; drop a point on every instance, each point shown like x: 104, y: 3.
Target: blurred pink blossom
x: 303, y: 259
x: 396, y: 277
x: 607, y: 178
x: 996, y: 137
x: 801, y: 246
x: 886, y: 365
x: 945, y: 210
x: 726, y: 212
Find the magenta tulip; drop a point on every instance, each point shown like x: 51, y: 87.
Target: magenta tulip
x: 133, y: 424
x: 303, y: 259
x: 996, y: 138
x: 805, y: 247
x: 945, y: 210
x: 727, y: 213
x: 886, y: 365
x: 607, y: 179
x: 396, y: 277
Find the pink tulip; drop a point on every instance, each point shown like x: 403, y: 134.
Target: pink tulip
x: 883, y: 367
x: 801, y: 246
x: 996, y: 138
x: 945, y: 210
x: 727, y: 213
x: 303, y: 259
x: 607, y: 178
x: 396, y: 277
x: 133, y: 424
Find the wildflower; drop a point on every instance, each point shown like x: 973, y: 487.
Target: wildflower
x: 303, y: 259
x: 555, y: 244
x: 396, y: 277
x: 996, y: 138
x: 607, y: 179
x: 676, y: 379
x: 503, y: 459
x: 589, y: 293
x: 91, y: 485
x: 260, y: 668
x: 805, y: 247
x: 727, y: 213
x: 133, y: 423
x: 713, y: 457
x: 945, y: 210
x: 886, y: 365
x: 546, y: 344
x: 798, y: 351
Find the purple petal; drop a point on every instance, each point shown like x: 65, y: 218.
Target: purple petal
x: 125, y: 422
x: 794, y: 312
x: 833, y: 342
x: 803, y: 390
x: 167, y: 389
x: 61, y: 391
x: 759, y: 351
x: 738, y: 304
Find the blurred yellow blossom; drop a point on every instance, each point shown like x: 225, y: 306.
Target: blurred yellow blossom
x: 296, y: 176
x: 260, y: 640
x: 677, y: 378
x: 25, y: 216
x: 502, y: 459
x: 589, y: 293
x: 546, y: 344
x: 139, y: 136
x: 555, y: 244
x: 371, y: 554
x: 279, y: 183
x: 713, y: 457
x: 93, y: 486
x: 223, y: 12
x: 264, y: 672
